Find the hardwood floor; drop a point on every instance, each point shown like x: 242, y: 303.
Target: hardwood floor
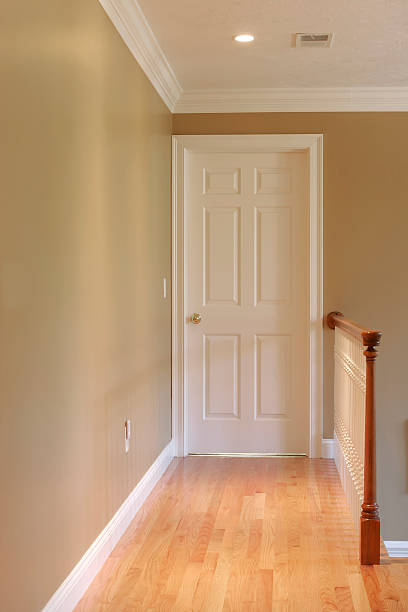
x: 239, y: 534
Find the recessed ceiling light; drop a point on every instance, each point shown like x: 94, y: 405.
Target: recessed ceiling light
x: 244, y: 38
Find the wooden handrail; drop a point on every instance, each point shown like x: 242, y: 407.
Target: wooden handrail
x: 369, y: 337
x: 370, y: 516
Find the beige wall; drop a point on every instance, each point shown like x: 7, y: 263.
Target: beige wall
x: 84, y: 244
x: 365, y: 259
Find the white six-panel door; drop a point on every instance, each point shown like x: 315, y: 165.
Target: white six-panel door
x: 247, y: 275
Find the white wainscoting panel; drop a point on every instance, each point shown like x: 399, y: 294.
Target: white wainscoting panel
x: 349, y: 417
x: 74, y: 586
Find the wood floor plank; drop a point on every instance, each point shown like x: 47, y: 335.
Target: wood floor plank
x: 359, y: 593
x: 204, y: 583
x: 388, y: 588
x: 215, y: 599
x: 264, y: 590
x: 344, y: 599
x: 240, y: 535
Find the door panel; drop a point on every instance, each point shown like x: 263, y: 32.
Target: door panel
x: 272, y: 255
x: 221, y: 255
x: 272, y: 376
x: 247, y: 273
x: 221, y: 376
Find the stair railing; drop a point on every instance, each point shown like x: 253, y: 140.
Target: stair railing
x: 355, y: 426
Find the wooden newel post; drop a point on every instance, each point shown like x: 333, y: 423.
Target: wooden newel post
x: 370, y: 517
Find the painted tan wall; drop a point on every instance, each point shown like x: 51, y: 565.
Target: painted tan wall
x: 84, y: 244
x: 365, y: 256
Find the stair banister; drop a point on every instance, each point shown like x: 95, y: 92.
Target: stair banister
x: 370, y: 517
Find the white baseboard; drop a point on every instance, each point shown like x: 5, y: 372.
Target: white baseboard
x: 74, y: 586
x: 327, y: 448
x: 397, y: 548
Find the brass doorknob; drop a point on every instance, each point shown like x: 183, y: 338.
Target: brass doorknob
x: 196, y: 318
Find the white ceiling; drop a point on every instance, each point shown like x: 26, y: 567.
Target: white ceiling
x: 370, y: 46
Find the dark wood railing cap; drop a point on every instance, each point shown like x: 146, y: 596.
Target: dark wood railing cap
x: 368, y: 337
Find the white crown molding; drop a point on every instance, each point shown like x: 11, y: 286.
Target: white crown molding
x: 74, y: 586
x: 397, y: 548
x: 128, y: 19
x: 294, y: 100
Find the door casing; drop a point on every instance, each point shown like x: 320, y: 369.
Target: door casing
x: 312, y: 144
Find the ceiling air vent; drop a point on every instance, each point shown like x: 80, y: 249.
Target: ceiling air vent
x: 314, y: 40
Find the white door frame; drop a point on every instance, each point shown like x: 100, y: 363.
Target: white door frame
x: 262, y: 143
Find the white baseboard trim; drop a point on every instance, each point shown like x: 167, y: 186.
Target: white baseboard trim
x: 327, y: 448
x: 74, y: 586
x: 397, y: 548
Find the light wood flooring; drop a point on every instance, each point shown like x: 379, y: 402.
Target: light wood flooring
x: 240, y: 534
